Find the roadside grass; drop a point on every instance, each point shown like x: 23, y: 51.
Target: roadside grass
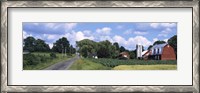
x: 145, y: 67
x: 48, y: 61
x: 85, y: 64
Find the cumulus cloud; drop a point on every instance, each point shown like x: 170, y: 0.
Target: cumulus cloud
x: 104, y: 30
x: 167, y: 25
x: 131, y: 42
x: 165, y: 32
x: 130, y: 31
x: 140, y: 33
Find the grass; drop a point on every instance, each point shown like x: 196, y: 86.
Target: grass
x: 117, y: 62
x: 48, y: 62
x: 85, y: 64
x: 145, y: 67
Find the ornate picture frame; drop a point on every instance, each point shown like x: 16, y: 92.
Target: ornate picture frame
x: 5, y: 5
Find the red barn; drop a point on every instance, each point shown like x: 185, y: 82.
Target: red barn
x: 162, y: 52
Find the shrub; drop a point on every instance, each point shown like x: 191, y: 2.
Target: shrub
x: 53, y: 55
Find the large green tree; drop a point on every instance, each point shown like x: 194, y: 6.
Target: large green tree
x: 173, y: 42
x: 105, y: 49
x: 86, y: 47
x: 122, y: 49
x: 41, y: 46
x: 61, y: 45
x: 29, y: 44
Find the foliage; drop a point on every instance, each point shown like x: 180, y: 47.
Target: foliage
x: 150, y: 47
x: 32, y: 45
x: 41, y: 60
x: 52, y: 55
x: 173, y: 42
x: 86, y: 47
x: 61, y: 45
x: 132, y: 54
x: 116, y: 46
x: 116, y: 62
x: 29, y: 44
x: 41, y: 46
x: 159, y: 42
x: 122, y: 49
x: 105, y: 49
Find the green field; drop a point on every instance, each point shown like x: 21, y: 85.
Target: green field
x: 85, y: 64
x: 41, y: 60
x: 145, y: 67
x: 116, y: 64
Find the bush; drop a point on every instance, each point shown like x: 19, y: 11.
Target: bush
x: 53, y: 55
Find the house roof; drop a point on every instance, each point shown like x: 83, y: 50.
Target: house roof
x: 159, y: 45
x: 157, y: 49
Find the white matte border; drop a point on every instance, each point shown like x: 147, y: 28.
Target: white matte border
x: 181, y: 76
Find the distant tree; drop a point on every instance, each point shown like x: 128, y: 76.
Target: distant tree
x: 29, y: 44
x: 150, y: 47
x: 159, y: 42
x: 86, y: 47
x: 173, y: 42
x: 60, y: 45
x: 72, y: 50
x: 105, y: 49
x: 116, y: 45
x: 132, y: 54
x: 41, y: 46
x: 122, y: 49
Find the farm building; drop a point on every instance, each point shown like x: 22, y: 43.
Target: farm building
x: 160, y: 52
x: 124, y: 55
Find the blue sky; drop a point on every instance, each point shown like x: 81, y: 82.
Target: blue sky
x: 126, y: 34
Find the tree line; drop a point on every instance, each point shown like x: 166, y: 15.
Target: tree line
x: 38, y: 45
x: 105, y: 49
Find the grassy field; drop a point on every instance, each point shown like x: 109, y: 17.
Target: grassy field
x: 85, y: 64
x: 145, y: 67
x: 42, y: 60
x: 116, y: 64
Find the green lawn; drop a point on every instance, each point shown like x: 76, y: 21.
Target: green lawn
x: 43, y: 60
x: 85, y: 64
x: 145, y: 67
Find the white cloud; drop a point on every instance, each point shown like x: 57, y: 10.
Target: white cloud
x: 154, y: 25
x: 154, y: 40
x: 140, y: 33
x: 104, y: 31
x: 132, y: 41
x: 70, y: 26
x: 168, y: 25
x: 80, y: 36
x: 25, y: 34
x: 119, y: 39
x: 87, y: 32
x: 166, y: 40
x: 165, y: 32
x: 103, y: 38
x: 139, y: 40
